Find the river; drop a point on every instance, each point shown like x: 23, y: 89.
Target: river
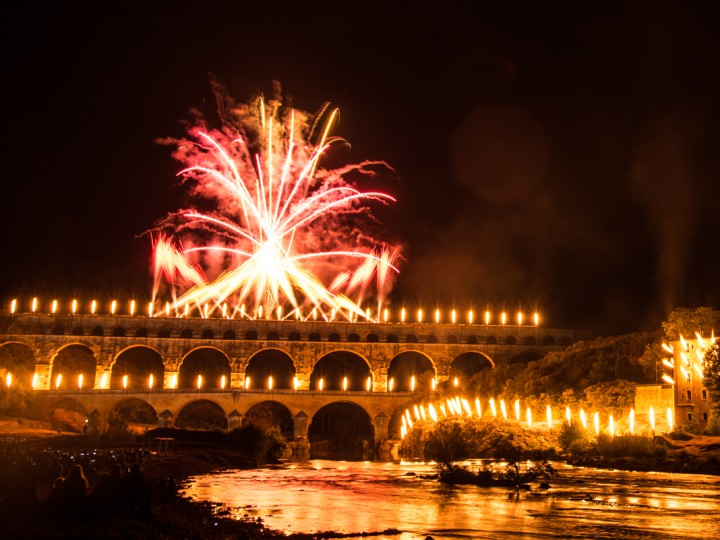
x: 372, y: 496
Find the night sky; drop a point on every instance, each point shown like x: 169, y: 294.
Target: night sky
x: 564, y: 159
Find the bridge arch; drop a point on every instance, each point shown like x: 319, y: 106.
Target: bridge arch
x: 67, y: 414
x: 274, y: 363
x: 18, y: 359
x: 270, y: 414
x: 71, y: 361
x: 343, y: 430
x: 209, y: 362
x: 336, y: 367
x: 137, y: 413
x: 201, y: 414
x: 408, y: 364
x: 467, y: 364
x: 137, y: 363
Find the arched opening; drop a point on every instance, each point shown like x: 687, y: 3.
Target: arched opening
x: 186, y: 333
x: 472, y: 340
x: 468, y: 364
x: 451, y: 339
x: 294, y: 336
x: 511, y: 340
x: 118, y: 332
x: 431, y: 339
x: 206, y: 362
x: 251, y: 335
x: 334, y: 337
x: 270, y: 415
x: 208, y: 334
x: 18, y: 360
x: 164, y: 333
x: 341, y: 431
x: 314, y: 336
x: 391, y: 338
x: 141, y: 332
x: 98, y: 331
x: 340, y: 370
x: 411, y: 338
x: 77, y: 331
x: 58, y: 330
x: 273, y: 336
x: 201, y: 414
x: 491, y: 340
x: 395, y: 423
x: 372, y: 338
x: 229, y: 334
x: 407, y: 365
x: 69, y: 363
x: 271, y: 363
x: 353, y: 337
x: 67, y: 415
x: 133, y: 366
x: 136, y: 413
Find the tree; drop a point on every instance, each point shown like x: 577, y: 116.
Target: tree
x: 711, y: 375
x: 614, y: 396
x: 686, y: 321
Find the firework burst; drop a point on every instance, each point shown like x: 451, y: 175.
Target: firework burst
x: 269, y: 226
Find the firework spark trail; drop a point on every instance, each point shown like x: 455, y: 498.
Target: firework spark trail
x: 276, y: 230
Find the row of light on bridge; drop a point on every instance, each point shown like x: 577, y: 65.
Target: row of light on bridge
x: 461, y: 407
x: 269, y: 383
x: 405, y: 315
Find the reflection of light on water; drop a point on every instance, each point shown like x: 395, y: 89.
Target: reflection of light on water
x: 370, y: 496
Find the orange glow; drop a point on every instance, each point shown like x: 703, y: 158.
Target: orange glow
x: 412, y: 383
x: 113, y: 307
x: 503, y: 409
x: 35, y: 381
x: 34, y: 305
x: 93, y: 307
x: 528, y: 417
x: 492, y: 407
x: 223, y: 382
x: 386, y: 315
x: 611, y: 426
x: 368, y: 384
x: 632, y: 421
x: 58, y: 380
x: 519, y: 318
x: 471, y: 317
x: 503, y: 318
x: 132, y: 307
x: 151, y: 308
x: 517, y: 410
x: 125, y: 381
x: 478, y: 408
x: 73, y: 306
x: 583, y: 418
x: 651, y: 417
x: 80, y: 381
x: 199, y: 382
x: 270, y: 382
x: 548, y: 413
x: 247, y: 382
x: 151, y: 381
x: 487, y: 317
x: 453, y: 316
x: 391, y: 384
x: 536, y: 318
x: 596, y: 420
x: 53, y: 307
x: 296, y: 383
x: 345, y: 383
x: 13, y: 305
x: 433, y: 384
x: 456, y: 382
x: 8, y: 379
x: 321, y: 383
x: 567, y: 415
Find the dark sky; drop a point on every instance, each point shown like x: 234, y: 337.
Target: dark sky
x: 564, y: 158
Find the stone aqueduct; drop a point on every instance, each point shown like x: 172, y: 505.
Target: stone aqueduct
x: 376, y: 369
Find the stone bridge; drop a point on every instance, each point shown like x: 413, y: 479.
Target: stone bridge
x: 375, y: 369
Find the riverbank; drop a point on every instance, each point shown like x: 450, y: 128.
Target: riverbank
x: 171, y: 516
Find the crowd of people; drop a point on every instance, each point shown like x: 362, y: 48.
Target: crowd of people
x: 76, y: 485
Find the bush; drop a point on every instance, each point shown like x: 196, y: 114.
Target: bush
x: 635, y: 446
x: 261, y: 445
x: 573, y: 435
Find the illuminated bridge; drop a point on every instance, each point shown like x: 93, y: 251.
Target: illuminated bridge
x: 318, y: 380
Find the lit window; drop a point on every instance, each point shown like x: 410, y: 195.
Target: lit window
x: 689, y: 417
x: 704, y: 394
x: 689, y: 395
x: 705, y: 417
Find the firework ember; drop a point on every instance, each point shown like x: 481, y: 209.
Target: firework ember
x: 271, y: 227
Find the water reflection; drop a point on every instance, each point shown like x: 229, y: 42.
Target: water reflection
x: 369, y: 496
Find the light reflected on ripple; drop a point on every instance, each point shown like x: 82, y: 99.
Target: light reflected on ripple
x: 365, y: 496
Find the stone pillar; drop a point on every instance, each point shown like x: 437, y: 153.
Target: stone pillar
x: 171, y: 379
x: 43, y: 376
x: 380, y: 423
x: 166, y: 419
x: 237, y: 379
x: 94, y: 423
x: 300, y: 425
x: 102, y: 377
x: 234, y: 420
